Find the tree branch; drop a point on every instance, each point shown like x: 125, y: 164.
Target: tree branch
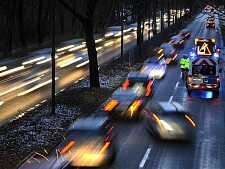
x: 72, y: 11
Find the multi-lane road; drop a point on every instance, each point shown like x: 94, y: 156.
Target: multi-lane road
x: 138, y: 149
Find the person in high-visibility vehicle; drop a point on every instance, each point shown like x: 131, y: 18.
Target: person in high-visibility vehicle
x: 184, y: 65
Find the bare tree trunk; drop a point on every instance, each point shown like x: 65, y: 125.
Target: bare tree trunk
x: 87, y: 22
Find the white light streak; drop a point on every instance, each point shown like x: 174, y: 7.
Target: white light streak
x: 86, y: 62
x: 11, y: 71
x: 36, y: 87
x: 77, y: 47
x: 64, y: 48
x: 44, y: 61
x: 20, y: 86
x: 3, y: 68
x: 33, y: 60
x: 1, y: 103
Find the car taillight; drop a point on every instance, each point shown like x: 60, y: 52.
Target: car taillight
x: 175, y: 57
x: 190, y: 120
x: 126, y: 84
x: 67, y: 147
x: 187, y: 34
x: 207, y: 24
x: 181, y: 42
x: 171, y: 41
x: 213, y: 25
x: 135, y: 106
x: 160, y: 51
x: 172, y: 52
x: 189, y: 79
x: 106, y: 145
x: 149, y: 88
x: 142, y: 70
x: 109, y: 106
x: 157, y: 119
x: 217, y: 80
x: 160, y: 56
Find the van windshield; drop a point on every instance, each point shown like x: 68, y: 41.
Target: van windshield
x: 204, y: 70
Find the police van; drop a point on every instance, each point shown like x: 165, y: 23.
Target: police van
x: 204, y: 67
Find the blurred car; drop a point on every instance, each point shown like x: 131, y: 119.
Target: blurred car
x: 185, y: 33
x: 210, y: 24
x: 140, y: 82
x: 124, y: 104
x: 90, y: 142
x: 168, y: 120
x: 177, y: 41
x: 154, y: 68
x: 168, y: 52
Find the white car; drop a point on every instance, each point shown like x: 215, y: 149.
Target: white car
x: 154, y: 68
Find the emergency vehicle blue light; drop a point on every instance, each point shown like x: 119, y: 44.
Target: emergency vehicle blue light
x: 192, y: 54
x: 216, y: 55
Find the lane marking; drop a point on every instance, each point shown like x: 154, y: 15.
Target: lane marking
x: 176, y: 86
x: 142, y: 163
x: 171, y: 98
x: 201, y: 29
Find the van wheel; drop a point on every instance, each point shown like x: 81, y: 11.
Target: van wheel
x: 189, y: 92
x: 216, y: 93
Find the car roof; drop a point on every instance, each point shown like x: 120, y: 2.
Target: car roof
x: 137, y: 75
x: 166, y: 45
x: 184, y: 31
x: 165, y: 107
x: 171, y: 107
x: 176, y: 37
x: 88, y: 123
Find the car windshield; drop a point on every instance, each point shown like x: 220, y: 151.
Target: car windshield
x: 204, y: 70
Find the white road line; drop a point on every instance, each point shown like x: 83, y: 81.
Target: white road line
x: 180, y: 74
x: 142, y: 163
x: 201, y: 29
x: 176, y: 86
x: 171, y: 98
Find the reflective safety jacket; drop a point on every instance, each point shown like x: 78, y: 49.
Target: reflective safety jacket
x: 182, y: 63
x: 187, y: 63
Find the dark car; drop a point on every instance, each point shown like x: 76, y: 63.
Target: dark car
x: 168, y: 52
x: 140, y: 82
x: 168, y: 120
x: 88, y: 142
x: 186, y: 33
x: 93, y: 142
x: 210, y: 24
x: 124, y: 104
x: 177, y: 41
